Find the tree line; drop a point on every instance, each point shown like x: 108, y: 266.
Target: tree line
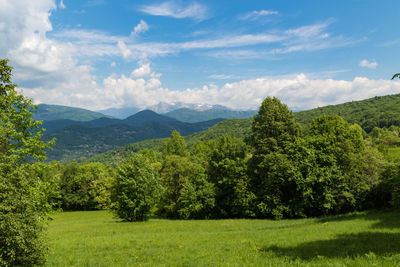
x: 280, y: 170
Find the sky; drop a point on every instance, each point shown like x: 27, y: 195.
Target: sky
x: 99, y: 54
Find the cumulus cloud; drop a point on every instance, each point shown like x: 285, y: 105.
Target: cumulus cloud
x: 176, y: 10
x: 141, y: 72
x: 141, y: 27
x: 143, y: 88
x: 368, y: 64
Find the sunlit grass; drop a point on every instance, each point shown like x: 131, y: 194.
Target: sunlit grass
x: 98, y: 239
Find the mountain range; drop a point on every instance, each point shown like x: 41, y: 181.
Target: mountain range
x: 77, y: 136
x: 75, y: 139
x: 55, y: 112
x: 382, y: 111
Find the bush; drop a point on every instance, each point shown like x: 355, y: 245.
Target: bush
x: 135, y: 189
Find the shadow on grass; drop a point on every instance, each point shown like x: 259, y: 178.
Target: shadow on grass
x: 388, y: 219
x: 347, y: 245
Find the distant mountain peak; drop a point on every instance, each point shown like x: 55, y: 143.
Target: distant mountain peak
x: 163, y: 107
x: 147, y: 116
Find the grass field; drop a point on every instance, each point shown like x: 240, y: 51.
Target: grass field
x: 97, y: 239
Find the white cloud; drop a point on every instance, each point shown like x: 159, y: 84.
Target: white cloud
x: 307, y: 38
x: 222, y: 77
x: 141, y: 27
x: 62, y: 5
x: 142, y: 71
x: 125, y: 51
x: 175, y: 10
x: 143, y: 88
x: 113, y: 64
x: 368, y: 64
x: 257, y: 14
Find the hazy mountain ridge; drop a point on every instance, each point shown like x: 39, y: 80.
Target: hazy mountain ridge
x: 47, y: 112
x: 190, y: 115
x: 134, y: 120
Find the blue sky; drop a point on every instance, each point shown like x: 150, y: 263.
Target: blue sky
x: 99, y: 54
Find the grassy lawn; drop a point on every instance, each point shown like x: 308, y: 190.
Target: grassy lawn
x: 96, y: 238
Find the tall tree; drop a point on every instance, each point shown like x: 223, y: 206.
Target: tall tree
x: 22, y: 212
x: 274, y: 129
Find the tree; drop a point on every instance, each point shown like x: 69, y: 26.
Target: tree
x: 22, y: 209
x: 228, y: 171
x: 175, y: 145
x: 135, y: 189
x: 274, y: 129
x: 186, y: 191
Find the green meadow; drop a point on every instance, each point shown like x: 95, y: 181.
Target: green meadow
x: 96, y: 238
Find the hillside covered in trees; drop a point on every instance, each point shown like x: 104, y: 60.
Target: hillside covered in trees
x: 379, y: 111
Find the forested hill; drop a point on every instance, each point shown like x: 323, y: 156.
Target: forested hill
x: 190, y: 115
x: 76, y: 141
x: 236, y: 127
x: 379, y: 111
x: 56, y: 112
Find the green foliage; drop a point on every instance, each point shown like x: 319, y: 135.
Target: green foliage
x: 196, y: 198
x: 387, y: 192
x: 273, y: 128
x: 23, y: 210
x: 228, y: 172
x: 379, y: 111
x: 23, y: 206
x: 86, y: 186
x: 135, y: 189
x: 237, y: 127
x: 49, y: 175
x: 20, y: 136
x: 175, y: 145
x: 187, y: 193
x: 397, y: 75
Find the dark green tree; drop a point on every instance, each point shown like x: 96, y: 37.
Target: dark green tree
x: 22, y: 208
x: 135, y: 190
x: 186, y: 191
x: 274, y: 129
x: 228, y: 172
